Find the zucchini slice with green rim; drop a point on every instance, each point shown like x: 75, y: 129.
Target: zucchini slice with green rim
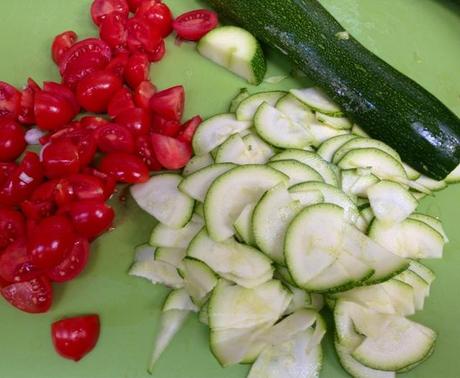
x: 358, y: 143
x: 432, y: 222
x: 317, y: 100
x: 173, y: 256
x: 157, y: 272
x: 296, y: 171
x: 243, y: 225
x: 249, y: 149
x: 328, y: 148
x: 243, y: 94
x: 356, y: 182
x: 296, y: 111
x: 322, y: 133
x: 199, y: 280
x: 430, y: 183
x: 249, y: 106
x: 164, y: 236
x: 341, y: 123
x: 196, y: 163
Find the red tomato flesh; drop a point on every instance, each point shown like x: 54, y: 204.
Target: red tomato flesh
x: 136, y: 120
x: 169, y: 103
x: 100, y: 9
x: 170, y: 152
x: 124, y: 167
x: 12, y: 227
x: 60, y: 159
x: 193, y: 25
x: 143, y: 93
x: 12, y: 142
x: 10, y: 99
x: 34, y: 296
x: 73, y: 264
x: 61, y: 44
x: 121, y: 100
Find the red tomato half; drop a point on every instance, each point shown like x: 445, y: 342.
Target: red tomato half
x: 113, y: 138
x: 143, y: 93
x: 169, y: 103
x: 92, y: 122
x: 158, y: 53
x: 50, y: 241
x: 16, y: 264
x: 117, y: 64
x: 10, y: 99
x: 142, y: 37
x: 166, y: 127
x: 12, y: 227
x: 124, y: 167
x: 91, y: 218
x: 108, y: 182
x: 61, y: 90
x: 51, y: 111
x: 6, y: 170
x: 61, y: 44
x: 34, y: 296
x: 82, y: 138
x: 41, y: 203
x: 189, y: 128
x: 60, y: 158
x: 83, y: 58
x: 121, y: 100
x: 170, y: 152
x: 134, y: 4
x: 137, y: 69
x: 95, y: 91
x: 157, y: 14
x: 73, y: 338
x: 100, y: 9
x: 26, y: 109
x: 79, y: 187
x: 193, y: 25
x: 136, y: 120
x: 12, y: 142
x: 73, y: 264
x: 145, y: 151
x: 113, y: 31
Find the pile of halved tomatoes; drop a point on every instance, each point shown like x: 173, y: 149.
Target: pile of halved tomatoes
x: 53, y: 203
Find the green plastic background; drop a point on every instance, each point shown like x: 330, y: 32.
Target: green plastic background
x: 419, y: 37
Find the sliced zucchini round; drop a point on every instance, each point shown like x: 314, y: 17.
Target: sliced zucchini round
x: 295, y: 110
x: 164, y: 236
x: 356, y: 182
x: 317, y: 100
x: 296, y: 171
x: 236, y: 101
x: 199, y: 280
x: 173, y: 256
x: 358, y: 143
x: 328, y: 148
x: 243, y: 225
x: 322, y: 132
x: 160, y: 198
x: 249, y: 149
x: 340, y: 123
x: 431, y: 184
x: 249, y: 106
x: 232, y: 191
x: 196, y: 163
x: 432, y: 222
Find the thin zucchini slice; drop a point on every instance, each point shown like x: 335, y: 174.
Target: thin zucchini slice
x: 322, y: 132
x: 356, y: 182
x: 311, y: 159
x: 243, y: 225
x: 317, y: 100
x: 242, y: 95
x: 144, y: 252
x: 423, y: 271
x: 278, y: 130
x: 196, y: 163
x: 231, y: 192
x: 173, y: 256
x: 157, y: 272
x: 160, y: 198
x: 199, y: 280
x: 391, y: 202
x: 249, y: 106
x: 340, y: 123
x: 164, y: 236
x: 179, y: 299
x: 421, y: 288
x: 357, y: 130
x: 235, y: 49
x: 197, y: 184
x: 296, y: 111
x: 296, y: 171
x: 215, y: 131
x: 328, y: 148
x: 412, y: 174
x: 249, y: 149
x: 199, y: 209
x: 358, y: 143
x: 234, y: 261
x: 431, y: 184
x: 432, y: 222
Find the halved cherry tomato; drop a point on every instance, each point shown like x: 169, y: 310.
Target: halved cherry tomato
x: 61, y: 44
x: 143, y: 93
x: 166, y: 127
x: 121, y: 100
x: 158, y: 53
x: 21, y: 182
x: 124, y: 167
x: 78, y: 187
x: 61, y: 90
x: 16, y: 264
x: 137, y: 69
x: 12, y: 142
x: 60, y: 158
x: 34, y: 296
x: 73, y: 338
x: 188, y: 129
x: 134, y: 4
x: 193, y: 25
x: 12, y: 227
x: 170, y: 152
x: 26, y: 109
x: 73, y: 264
x: 117, y: 64
x: 113, y: 31
x: 82, y: 138
x: 113, y: 137
x: 100, y: 9
x: 91, y: 218
x: 50, y: 241
x: 136, y: 120
x: 108, y: 181
x: 6, y: 170
x: 145, y: 151
x: 169, y: 103
x: 41, y: 203
x: 10, y: 99
x: 95, y: 90
x: 83, y: 58
x: 92, y: 122
x: 142, y: 37
x: 157, y: 14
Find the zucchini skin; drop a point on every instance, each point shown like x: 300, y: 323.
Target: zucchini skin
x: 385, y: 103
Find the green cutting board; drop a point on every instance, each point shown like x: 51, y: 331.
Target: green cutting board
x: 419, y: 37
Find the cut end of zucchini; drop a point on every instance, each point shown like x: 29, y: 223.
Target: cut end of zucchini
x: 237, y: 50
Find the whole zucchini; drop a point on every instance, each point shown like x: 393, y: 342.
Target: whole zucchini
x: 384, y: 102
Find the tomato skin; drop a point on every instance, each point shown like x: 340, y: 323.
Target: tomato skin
x: 16, y: 265
x: 10, y: 99
x: 22, y: 181
x: 26, y: 108
x: 60, y: 158
x: 188, y: 129
x: 73, y: 338
x: 124, y: 167
x: 33, y: 296
x: 166, y: 127
x: 82, y: 138
x: 12, y: 227
x: 83, y: 58
x: 52, y: 111
x: 92, y: 122
x: 157, y: 14
x: 142, y: 37
x: 61, y: 43
x: 41, y: 203
x: 158, y: 53
x: 12, y: 142
x: 113, y: 31
x: 107, y: 181
x: 60, y: 90
x: 95, y: 90
x: 145, y: 151
x: 136, y: 120
x: 170, y: 152
x: 91, y: 218
x: 50, y: 241
x: 117, y: 64
x: 193, y: 25
x: 137, y: 69
x: 100, y: 9
x: 114, y: 138
x: 6, y: 170
x: 134, y: 4
x: 121, y: 100
x: 169, y: 103
x: 143, y: 93
x: 73, y: 264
